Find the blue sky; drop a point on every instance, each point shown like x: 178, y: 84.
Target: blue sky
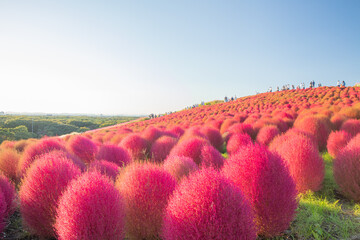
x: 141, y: 57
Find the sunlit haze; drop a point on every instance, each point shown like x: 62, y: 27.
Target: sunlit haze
x: 142, y: 57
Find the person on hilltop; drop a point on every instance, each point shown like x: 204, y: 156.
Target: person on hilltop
x: 338, y: 83
x: 343, y: 84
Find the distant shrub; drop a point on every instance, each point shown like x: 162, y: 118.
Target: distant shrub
x: 114, y: 154
x: 208, y: 206
x: 9, y: 159
x: 137, y: 146
x: 266, y: 134
x: 190, y: 148
x: 242, y: 128
x: 83, y: 147
x: 90, y: 208
x: 226, y: 124
x: 266, y: 182
x: 36, y: 150
x: 351, y: 126
x: 40, y: 190
x: 161, y: 148
x: 303, y: 160
x: 106, y: 168
x: 350, y: 112
x: 177, y: 130
x: 214, y: 137
x: 337, y: 141
x: 337, y: 120
x: 151, y: 134
x: 146, y: 189
x: 179, y: 166
x: 8, y: 189
x: 236, y: 141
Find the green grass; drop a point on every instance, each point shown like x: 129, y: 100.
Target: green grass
x: 325, y: 214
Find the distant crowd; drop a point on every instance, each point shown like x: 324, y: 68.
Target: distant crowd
x: 302, y: 86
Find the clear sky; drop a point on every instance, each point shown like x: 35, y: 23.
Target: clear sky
x: 141, y: 57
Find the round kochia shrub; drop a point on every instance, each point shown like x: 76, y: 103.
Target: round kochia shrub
x: 90, y: 208
x: 161, y: 148
x: 36, y: 150
x: 8, y: 189
x: 9, y: 159
x: 208, y: 206
x: 346, y: 167
x: 106, y: 168
x: 83, y: 147
x: 190, y: 148
x: 114, y: 154
x: 266, y: 134
x: 236, y: 141
x: 2, y: 211
x: 214, y: 137
x: 137, y: 146
x: 337, y: 141
x: 351, y: 126
x: 303, y: 160
x: 146, y: 189
x: 266, y: 183
x: 179, y: 166
x: 210, y: 157
x: 40, y: 190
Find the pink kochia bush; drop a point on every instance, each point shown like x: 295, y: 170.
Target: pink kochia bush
x: 351, y: 126
x: 346, y: 167
x: 303, y: 160
x: 161, y: 148
x: 214, y: 137
x: 114, y: 154
x: 90, y: 208
x: 106, y: 168
x: 8, y: 189
x: 208, y: 206
x: 211, y: 157
x: 146, y: 189
x: 137, y: 146
x: 266, y: 134
x: 190, y: 148
x: 179, y: 166
x: 266, y: 183
x: 82, y: 147
x: 37, y: 149
x: 40, y: 190
x: 236, y: 141
x: 2, y: 211
x: 337, y: 141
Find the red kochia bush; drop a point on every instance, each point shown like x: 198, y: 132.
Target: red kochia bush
x: 90, y: 208
x: 346, y: 167
x: 210, y: 157
x: 266, y: 183
x: 137, y: 146
x: 2, y: 211
x: 242, y: 128
x: 337, y: 141
x: 161, y: 148
x: 146, y: 189
x: 208, y: 206
x: 37, y: 149
x: 8, y: 189
x: 303, y: 160
x: 9, y: 159
x: 351, y: 126
x: 214, y: 137
x: 40, y: 190
x: 266, y: 134
x: 114, y: 154
x: 318, y: 126
x: 190, y: 148
x: 236, y: 141
x: 179, y: 166
x: 83, y: 147
x: 106, y: 168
